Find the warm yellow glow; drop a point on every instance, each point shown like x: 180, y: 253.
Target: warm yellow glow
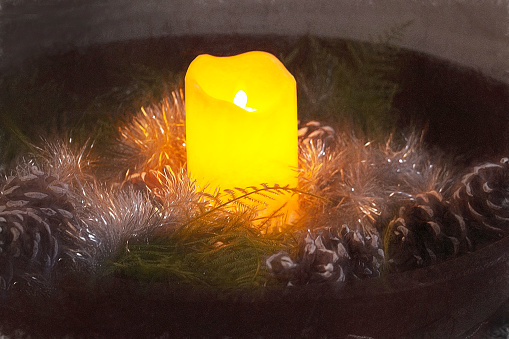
x: 241, y: 122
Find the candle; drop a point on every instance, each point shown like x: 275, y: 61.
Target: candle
x: 241, y: 122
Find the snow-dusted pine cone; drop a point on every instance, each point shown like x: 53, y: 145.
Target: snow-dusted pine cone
x: 313, y: 132
x: 425, y: 232
x: 317, y: 262
x: 330, y: 255
x: 36, y: 218
x: 364, y: 250
x: 482, y: 199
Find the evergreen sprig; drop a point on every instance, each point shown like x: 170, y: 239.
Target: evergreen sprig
x: 245, y: 197
x: 224, y: 245
x: 222, y: 252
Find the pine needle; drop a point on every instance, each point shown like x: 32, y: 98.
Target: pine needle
x: 226, y: 253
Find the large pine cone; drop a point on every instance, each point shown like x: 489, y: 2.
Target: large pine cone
x: 482, y: 198
x: 425, y: 232
x: 34, y: 209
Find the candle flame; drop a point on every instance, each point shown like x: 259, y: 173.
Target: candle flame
x: 241, y: 101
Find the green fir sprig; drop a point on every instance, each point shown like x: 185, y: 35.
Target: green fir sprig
x: 224, y: 246
x: 223, y: 252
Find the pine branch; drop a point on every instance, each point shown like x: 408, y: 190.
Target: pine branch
x: 222, y: 253
x: 249, y: 193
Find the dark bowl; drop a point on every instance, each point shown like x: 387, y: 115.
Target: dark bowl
x: 466, y: 115
x: 447, y: 300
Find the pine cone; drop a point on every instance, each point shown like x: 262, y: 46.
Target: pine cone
x: 34, y: 208
x: 331, y: 255
x: 320, y: 260
x: 316, y: 263
x: 482, y: 199
x: 364, y: 250
x: 283, y: 267
x: 425, y: 232
x: 313, y: 132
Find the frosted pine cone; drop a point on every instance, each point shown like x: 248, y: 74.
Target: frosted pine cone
x: 314, y: 132
x: 34, y: 209
x: 331, y: 255
x: 425, y: 232
x: 364, y: 250
x: 316, y: 263
x: 482, y: 198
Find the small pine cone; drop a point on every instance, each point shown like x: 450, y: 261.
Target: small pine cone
x: 313, y: 132
x: 482, y: 199
x: 366, y: 256
x: 33, y: 207
x: 320, y: 261
x: 425, y: 232
x: 332, y: 255
x: 283, y: 267
x: 316, y: 263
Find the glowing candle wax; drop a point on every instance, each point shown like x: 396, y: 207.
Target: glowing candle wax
x: 241, y: 121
